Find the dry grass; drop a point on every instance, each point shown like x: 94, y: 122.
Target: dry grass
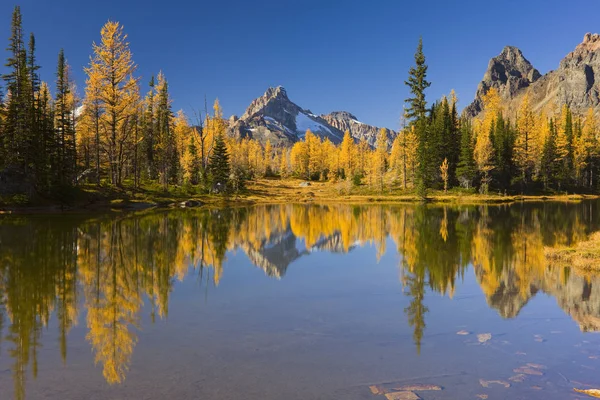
x: 583, y: 256
x: 290, y: 190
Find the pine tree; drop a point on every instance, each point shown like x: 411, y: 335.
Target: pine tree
x: 564, y: 142
x: 165, y: 146
x: 503, y: 142
x: 416, y: 113
x: 549, y: 156
x: 65, y: 130
x: 149, y: 127
x: 466, y: 171
x: 17, y: 133
x: 218, y: 166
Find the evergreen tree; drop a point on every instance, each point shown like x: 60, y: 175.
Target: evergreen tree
x: 167, y: 158
x: 218, y: 166
x: 17, y: 133
x: 549, y: 157
x: 65, y: 131
x: 416, y: 113
x: 466, y: 170
x: 503, y: 151
x: 149, y: 130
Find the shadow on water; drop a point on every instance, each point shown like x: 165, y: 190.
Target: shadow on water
x: 104, y: 272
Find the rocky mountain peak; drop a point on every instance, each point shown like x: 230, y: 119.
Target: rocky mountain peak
x: 340, y: 114
x: 273, y: 98
x: 274, y: 117
x: 508, y: 73
x: 591, y: 42
x: 574, y: 82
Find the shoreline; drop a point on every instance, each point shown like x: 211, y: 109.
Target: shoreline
x: 270, y: 191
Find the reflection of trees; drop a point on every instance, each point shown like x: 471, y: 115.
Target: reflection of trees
x: 111, y: 266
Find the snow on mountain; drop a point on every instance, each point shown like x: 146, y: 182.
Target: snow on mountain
x: 274, y: 117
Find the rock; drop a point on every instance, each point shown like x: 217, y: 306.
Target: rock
x: 190, y: 204
x: 484, y: 337
x: 418, y: 388
x: 574, y: 82
x: 536, y: 366
x: 304, y: 184
x: 518, y: 378
x: 377, y: 389
x: 528, y: 371
x: 344, y: 121
x: 402, y: 396
x: 487, y: 384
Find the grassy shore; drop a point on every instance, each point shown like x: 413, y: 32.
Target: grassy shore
x: 584, y: 256
x: 261, y: 191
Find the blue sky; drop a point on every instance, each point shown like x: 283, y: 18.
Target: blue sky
x: 330, y: 55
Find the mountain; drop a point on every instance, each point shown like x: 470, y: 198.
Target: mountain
x: 573, y: 83
x: 344, y: 121
x: 274, y: 117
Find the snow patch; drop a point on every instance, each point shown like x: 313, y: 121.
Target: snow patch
x: 304, y: 123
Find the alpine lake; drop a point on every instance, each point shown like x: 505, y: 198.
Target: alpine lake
x: 291, y: 302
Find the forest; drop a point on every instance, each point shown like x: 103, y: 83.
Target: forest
x: 119, y: 131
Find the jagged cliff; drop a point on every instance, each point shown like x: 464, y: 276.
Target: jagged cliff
x: 573, y: 83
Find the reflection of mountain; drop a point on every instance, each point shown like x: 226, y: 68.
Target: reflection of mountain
x: 104, y: 268
x: 508, y: 298
x: 275, y: 255
x: 577, y: 295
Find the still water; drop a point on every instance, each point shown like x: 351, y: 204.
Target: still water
x: 298, y: 302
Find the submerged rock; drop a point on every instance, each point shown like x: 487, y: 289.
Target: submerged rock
x: 486, y: 384
x: 484, y: 337
x: 402, y: 396
x: 418, y: 387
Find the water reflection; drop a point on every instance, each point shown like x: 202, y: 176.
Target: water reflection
x: 100, y: 271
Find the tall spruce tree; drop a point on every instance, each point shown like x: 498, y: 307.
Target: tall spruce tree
x: 548, y: 163
x: 65, y: 131
x: 219, y: 166
x: 17, y: 134
x: 466, y: 169
x: 416, y: 113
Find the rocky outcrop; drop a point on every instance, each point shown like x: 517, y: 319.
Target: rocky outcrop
x: 573, y: 83
x: 509, y: 73
x: 274, y: 117
x: 344, y: 121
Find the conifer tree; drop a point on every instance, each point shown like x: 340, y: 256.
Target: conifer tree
x: 112, y: 63
x: 167, y: 158
x: 466, y: 169
x: 347, y: 155
x: 65, y: 130
x: 17, y: 133
x: 549, y: 155
x: 526, y: 145
x: 416, y: 113
x: 219, y: 164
